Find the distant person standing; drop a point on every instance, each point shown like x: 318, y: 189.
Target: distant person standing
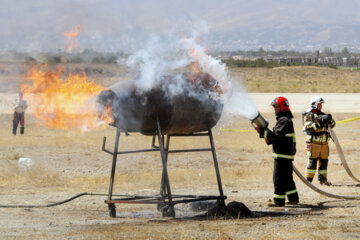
x: 282, y: 138
x: 316, y: 127
x: 20, y: 106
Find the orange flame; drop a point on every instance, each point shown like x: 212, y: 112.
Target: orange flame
x: 72, y: 42
x: 73, y: 34
x: 63, y: 103
x: 194, y: 66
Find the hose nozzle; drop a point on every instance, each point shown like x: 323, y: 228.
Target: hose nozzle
x: 259, y: 121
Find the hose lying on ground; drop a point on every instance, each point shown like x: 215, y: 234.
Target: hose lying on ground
x: 341, y: 154
x: 54, y: 204
x: 321, y: 191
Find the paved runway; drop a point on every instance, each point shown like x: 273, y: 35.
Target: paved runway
x: 334, y: 102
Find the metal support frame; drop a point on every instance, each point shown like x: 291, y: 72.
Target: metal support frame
x: 165, y: 200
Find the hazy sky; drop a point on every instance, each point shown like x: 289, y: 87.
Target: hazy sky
x: 111, y: 25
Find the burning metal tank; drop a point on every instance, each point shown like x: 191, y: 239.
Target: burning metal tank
x: 182, y: 102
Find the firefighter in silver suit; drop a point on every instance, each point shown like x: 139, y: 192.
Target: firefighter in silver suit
x: 20, y: 105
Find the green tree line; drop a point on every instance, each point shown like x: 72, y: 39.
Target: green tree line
x: 260, y: 62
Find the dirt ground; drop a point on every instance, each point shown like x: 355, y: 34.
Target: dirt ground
x: 67, y: 163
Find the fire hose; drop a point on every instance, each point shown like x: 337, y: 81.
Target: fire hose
x: 341, y: 154
x: 307, y: 183
x: 56, y: 203
x: 344, y: 163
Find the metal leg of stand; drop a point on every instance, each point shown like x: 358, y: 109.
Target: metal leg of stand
x: 163, y: 187
x: 167, y: 211
x: 112, y: 209
x: 153, y: 142
x: 216, y: 165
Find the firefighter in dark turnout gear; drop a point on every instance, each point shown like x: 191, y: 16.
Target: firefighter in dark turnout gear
x: 282, y: 138
x: 316, y: 128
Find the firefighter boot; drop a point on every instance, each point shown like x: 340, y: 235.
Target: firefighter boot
x: 273, y: 204
x: 323, y: 180
x: 14, y: 127
x: 323, y: 172
x: 22, y: 128
x: 293, y: 202
x: 309, y: 179
x: 276, y: 203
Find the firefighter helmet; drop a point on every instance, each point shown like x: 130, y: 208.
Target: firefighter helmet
x: 314, y: 102
x: 283, y: 102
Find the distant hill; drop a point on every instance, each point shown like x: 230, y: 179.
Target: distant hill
x: 304, y: 25
x: 307, y: 37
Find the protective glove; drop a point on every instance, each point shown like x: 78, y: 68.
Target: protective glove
x: 329, y: 117
x: 261, y: 132
x: 331, y: 122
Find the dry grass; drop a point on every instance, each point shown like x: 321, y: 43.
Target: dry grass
x: 11, y: 175
x: 303, y: 79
